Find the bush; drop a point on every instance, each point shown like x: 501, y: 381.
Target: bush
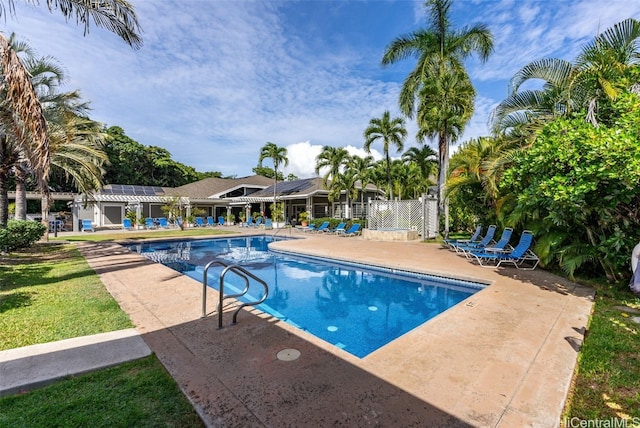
x: 21, y: 234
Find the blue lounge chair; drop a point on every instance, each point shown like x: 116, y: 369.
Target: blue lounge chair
x: 322, y: 227
x: 162, y: 222
x: 268, y: 224
x: 520, y: 255
x: 149, y: 224
x: 310, y: 228
x: 474, y: 238
x: 501, y: 246
x: 484, y: 242
x: 249, y: 222
x: 352, y: 231
x: 126, y: 224
x: 257, y: 223
x: 339, y: 227
x: 199, y: 222
x: 221, y: 221
x: 87, y: 226
x: 179, y: 222
x: 210, y: 221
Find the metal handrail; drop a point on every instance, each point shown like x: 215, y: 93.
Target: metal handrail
x: 241, y: 272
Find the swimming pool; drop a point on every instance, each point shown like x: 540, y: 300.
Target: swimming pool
x: 355, y: 307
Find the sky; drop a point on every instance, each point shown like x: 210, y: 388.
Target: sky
x: 216, y: 80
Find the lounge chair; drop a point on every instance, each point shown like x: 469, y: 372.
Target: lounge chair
x: 268, y: 224
x: 310, y: 228
x: 474, y: 238
x: 149, y: 223
x: 339, y: 227
x: 520, y: 255
x: 87, y: 226
x: 162, y: 222
x: 257, y: 223
x: 199, y: 222
x: 249, y: 222
x: 324, y: 226
x: 501, y: 246
x: 126, y: 224
x: 486, y: 240
x: 352, y: 231
x: 210, y: 221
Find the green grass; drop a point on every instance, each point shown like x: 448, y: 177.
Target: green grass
x: 49, y: 293
x: 141, y: 234
x: 607, y: 381
x: 135, y: 394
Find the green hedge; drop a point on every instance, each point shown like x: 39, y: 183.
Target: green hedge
x: 21, y: 234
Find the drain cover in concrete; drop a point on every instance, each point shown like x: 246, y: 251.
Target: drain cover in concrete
x: 288, y: 354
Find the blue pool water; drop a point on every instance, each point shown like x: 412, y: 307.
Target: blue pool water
x: 355, y: 307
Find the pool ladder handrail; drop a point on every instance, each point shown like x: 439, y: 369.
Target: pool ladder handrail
x: 241, y: 272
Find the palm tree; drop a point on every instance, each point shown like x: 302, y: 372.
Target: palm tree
x: 425, y: 159
x: 439, y: 81
x: 391, y: 132
x: 279, y: 156
x: 116, y: 16
x: 334, y: 160
x: 363, y: 169
x: 598, y: 73
x: 22, y: 117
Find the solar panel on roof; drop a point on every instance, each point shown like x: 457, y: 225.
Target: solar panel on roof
x: 131, y: 190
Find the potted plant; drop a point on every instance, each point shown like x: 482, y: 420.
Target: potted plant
x: 277, y: 214
x: 303, y: 218
x: 231, y: 219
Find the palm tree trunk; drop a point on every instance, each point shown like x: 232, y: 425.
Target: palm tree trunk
x: 21, y: 196
x: 443, y: 151
x: 389, y: 177
x: 4, y: 200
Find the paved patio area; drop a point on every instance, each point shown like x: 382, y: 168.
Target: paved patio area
x: 502, y: 358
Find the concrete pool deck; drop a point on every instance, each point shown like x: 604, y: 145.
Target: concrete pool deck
x: 504, y: 357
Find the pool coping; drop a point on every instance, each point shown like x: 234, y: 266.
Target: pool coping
x: 505, y: 357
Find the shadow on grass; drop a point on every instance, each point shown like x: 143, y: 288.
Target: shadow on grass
x: 15, y: 300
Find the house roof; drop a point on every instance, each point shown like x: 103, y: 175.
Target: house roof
x: 215, y: 187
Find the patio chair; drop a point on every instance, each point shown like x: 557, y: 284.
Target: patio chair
x: 485, y: 241
x: 249, y: 222
x: 339, y: 227
x: 520, y: 254
x: 310, y: 228
x: 352, y: 231
x: 322, y: 227
x: 257, y: 223
x: 268, y: 224
x: 87, y: 226
x: 210, y: 221
x: 500, y: 245
x: 126, y: 224
x: 220, y: 221
x: 149, y: 224
x: 199, y: 222
x: 474, y: 238
x: 162, y: 222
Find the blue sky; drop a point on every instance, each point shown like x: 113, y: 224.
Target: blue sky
x: 216, y: 80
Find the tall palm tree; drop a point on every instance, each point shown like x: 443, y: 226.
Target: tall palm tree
x: 391, y: 132
x: 279, y: 156
x: 439, y: 74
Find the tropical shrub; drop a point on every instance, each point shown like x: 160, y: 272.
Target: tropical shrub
x: 21, y: 234
x: 578, y: 189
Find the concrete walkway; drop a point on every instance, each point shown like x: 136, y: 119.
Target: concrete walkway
x: 502, y: 358
x: 33, y: 366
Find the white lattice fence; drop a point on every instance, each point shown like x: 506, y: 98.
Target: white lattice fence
x: 420, y: 215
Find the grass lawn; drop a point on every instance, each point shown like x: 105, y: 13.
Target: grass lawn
x: 49, y: 292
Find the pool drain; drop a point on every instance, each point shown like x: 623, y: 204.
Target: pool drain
x: 288, y: 354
